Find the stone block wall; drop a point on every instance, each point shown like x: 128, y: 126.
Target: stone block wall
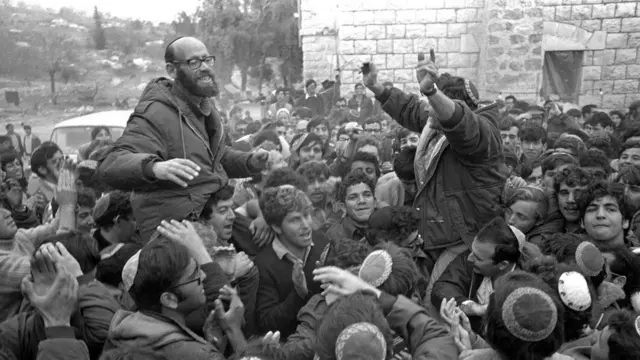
x: 498, y: 44
x: 391, y: 34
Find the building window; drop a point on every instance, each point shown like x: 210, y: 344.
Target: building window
x: 561, y: 75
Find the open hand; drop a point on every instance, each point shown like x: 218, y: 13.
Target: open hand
x: 56, y: 302
x: 340, y: 282
x: 66, y: 192
x: 185, y: 234
x: 176, y: 170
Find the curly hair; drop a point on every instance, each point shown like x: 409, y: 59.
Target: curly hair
x: 403, y: 221
x: 313, y: 170
x: 600, y: 189
x: 596, y: 158
x: 532, y: 133
x: 555, y: 160
x: 629, y: 175
x: 570, y: 142
x: 367, y: 158
x: 353, y: 178
x: 572, y: 176
x: 346, y: 254
x: 276, y: 203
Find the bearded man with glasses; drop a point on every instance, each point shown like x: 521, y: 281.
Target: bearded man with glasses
x: 172, y: 152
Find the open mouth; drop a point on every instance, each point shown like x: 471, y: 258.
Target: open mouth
x: 206, y: 80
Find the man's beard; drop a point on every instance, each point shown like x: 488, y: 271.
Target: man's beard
x: 191, y: 84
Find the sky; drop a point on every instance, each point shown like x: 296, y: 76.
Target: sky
x: 151, y: 10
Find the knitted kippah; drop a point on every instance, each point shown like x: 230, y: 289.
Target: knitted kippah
x: 376, y: 268
x: 574, y: 291
x: 637, y: 323
x: 589, y: 258
x: 529, y: 314
x: 361, y: 341
x: 130, y: 270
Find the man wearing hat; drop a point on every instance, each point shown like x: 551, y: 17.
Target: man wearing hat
x: 114, y: 221
x: 29, y: 143
x: 459, y: 165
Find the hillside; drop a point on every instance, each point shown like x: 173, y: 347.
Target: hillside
x: 35, y: 40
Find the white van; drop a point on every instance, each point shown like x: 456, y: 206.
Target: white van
x: 71, y: 134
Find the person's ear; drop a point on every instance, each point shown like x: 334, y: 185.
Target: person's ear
x: 171, y: 70
x: 42, y: 170
x: 625, y: 224
x: 343, y: 208
x: 620, y: 281
x: 169, y: 300
x: 277, y: 229
x: 503, y: 265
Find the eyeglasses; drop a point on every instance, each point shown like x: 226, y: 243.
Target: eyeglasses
x: 194, y: 64
x: 197, y: 279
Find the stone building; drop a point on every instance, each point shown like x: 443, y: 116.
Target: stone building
x: 504, y: 46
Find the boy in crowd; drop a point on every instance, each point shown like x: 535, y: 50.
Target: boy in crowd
x: 285, y: 266
x: 356, y: 195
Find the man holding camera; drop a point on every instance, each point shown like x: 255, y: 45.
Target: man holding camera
x: 459, y: 165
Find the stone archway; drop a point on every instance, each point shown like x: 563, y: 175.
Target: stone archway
x: 558, y: 36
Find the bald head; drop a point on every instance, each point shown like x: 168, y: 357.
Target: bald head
x: 177, y: 48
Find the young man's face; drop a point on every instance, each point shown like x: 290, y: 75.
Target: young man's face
x: 596, y: 130
x: 311, y: 152
x: 54, y: 165
x: 630, y: 157
x: 533, y: 149
x: 359, y: 90
x: 523, y: 215
x: 8, y: 227
x: 410, y: 188
x: 410, y: 140
x: 189, y: 289
x: 368, y: 168
x: 241, y: 128
x: 510, y: 138
x: 373, y: 129
x: 341, y: 104
x: 359, y: 203
x: 536, y: 176
x: 311, y: 89
x: 222, y: 219
x: 84, y: 219
x: 322, y: 131
x: 616, y: 119
x: 318, y: 190
x: 509, y: 104
x: 568, y: 201
x: 281, y: 130
x: 295, y: 230
x: 481, y: 257
x: 280, y: 97
x: 603, y: 221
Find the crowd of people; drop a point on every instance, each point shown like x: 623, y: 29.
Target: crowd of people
x: 404, y: 226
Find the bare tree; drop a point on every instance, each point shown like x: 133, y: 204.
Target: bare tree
x: 57, y: 50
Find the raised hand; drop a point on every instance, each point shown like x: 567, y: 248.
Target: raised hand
x: 299, y: 280
x: 176, y: 170
x: 340, y: 282
x: 184, y: 233
x: 427, y: 74
x: 55, y: 301
x: 66, y: 192
x: 233, y: 318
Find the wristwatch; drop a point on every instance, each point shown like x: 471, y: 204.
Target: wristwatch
x: 430, y: 92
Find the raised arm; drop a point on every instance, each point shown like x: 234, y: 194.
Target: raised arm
x: 474, y: 136
x: 407, y: 109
